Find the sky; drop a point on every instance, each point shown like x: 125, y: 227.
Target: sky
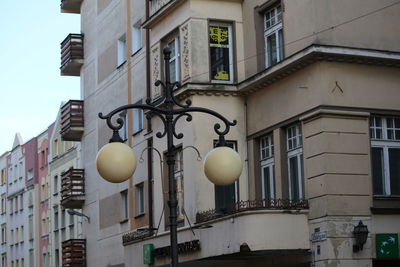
x: 31, y: 88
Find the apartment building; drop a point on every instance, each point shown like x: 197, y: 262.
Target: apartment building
x: 65, y: 179
x: 32, y: 204
x: 314, y: 87
x: 16, y: 194
x: 3, y: 213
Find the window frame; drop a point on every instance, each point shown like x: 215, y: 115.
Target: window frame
x: 231, y: 53
x: 137, y: 42
x: 121, y: 50
x: 267, y: 161
x: 275, y: 29
x: 140, y: 199
x: 294, y: 149
x: 175, y: 57
x: 385, y: 143
x: 124, y: 206
x: 123, y: 132
x: 137, y: 117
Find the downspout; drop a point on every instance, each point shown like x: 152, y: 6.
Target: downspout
x: 149, y: 128
x: 129, y: 94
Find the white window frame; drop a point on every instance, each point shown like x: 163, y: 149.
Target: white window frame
x: 123, y: 132
x: 267, y: 161
x: 125, y: 205
x: 175, y: 57
x: 385, y: 143
x: 294, y: 146
x: 273, y: 29
x: 140, y: 199
x: 178, y: 176
x: 121, y: 50
x: 136, y: 37
x: 137, y: 116
x: 230, y: 44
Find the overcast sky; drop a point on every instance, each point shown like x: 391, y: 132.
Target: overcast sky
x: 30, y: 83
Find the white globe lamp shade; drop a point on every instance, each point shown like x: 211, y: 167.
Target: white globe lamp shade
x: 223, y: 165
x: 116, y: 162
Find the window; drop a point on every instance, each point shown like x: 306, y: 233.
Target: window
x: 30, y: 174
x: 16, y: 204
x: 226, y: 195
x: 123, y: 132
x: 221, y: 52
x: 385, y: 155
x: 3, y: 176
x: 3, y: 234
x: 12, y: 237
x: 55, y: 148
x: 121, y: 54
x: 137, y: 119
x: 178, y: 175
x: 57, y: 257
x: 136, y: 37
x: 267, y: 164
x: 22, y: 234
x: 125, y: 206
x: 22, y: 262
x: 21, y: 200
x: 55, y: 187
x: 295, y: 161
x: 174, y: 66
x: 62, y: 219
x: 139, y: 199
x: 11, y: 205
x: 273, y: 37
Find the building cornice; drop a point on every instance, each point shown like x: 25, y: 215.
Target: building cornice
x: 316, y: 53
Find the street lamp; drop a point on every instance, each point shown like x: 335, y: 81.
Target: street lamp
x: 116, y: 161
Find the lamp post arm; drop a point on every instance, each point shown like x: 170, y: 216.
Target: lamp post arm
x: 120, y: 123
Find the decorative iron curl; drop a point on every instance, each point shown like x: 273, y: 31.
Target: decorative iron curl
x: 188, y: 118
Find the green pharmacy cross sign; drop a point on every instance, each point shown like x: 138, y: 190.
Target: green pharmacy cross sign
x: 387, y: 246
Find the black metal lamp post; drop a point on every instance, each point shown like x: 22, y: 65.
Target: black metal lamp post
x: 116, y: 161
x: 360, y: 234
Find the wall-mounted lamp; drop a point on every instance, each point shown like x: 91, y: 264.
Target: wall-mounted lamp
x: 360, y: 233
x: 74, y: 212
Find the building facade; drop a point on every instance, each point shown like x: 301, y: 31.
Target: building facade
x: 64, y: 161
x: 3, y: 214
x: 313, y: 86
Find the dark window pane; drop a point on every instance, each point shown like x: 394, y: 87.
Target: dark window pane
x: 280, y: 48
x: 267, y: 188
x: 390, y: 134
x: 293, y: 178
x: 397, y: 122
x: 394, y: 165
x: 272, y: 49
x: 378, y: 134
x: 397, y: 135
x: 377, y: 170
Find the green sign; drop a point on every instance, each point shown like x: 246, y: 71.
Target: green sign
x: 387, y: 246
x: 148, y: 254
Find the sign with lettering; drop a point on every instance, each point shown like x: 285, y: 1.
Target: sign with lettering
x: 318, y: 236
x: 186, y: 247
x: 387, y: 246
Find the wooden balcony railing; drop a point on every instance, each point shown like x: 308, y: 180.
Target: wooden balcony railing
x: 72, y: 120
x: 73, y: 188
x: 72, y: 55
x: 74, y: 253
x: 71, y: 6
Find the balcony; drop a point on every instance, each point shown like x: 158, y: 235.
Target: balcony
x: 74, y: 253
x: 73, y: 188
x: 249, y: 205
x: 72, y: 55
x: 71, y: 6
x: 72, y: 120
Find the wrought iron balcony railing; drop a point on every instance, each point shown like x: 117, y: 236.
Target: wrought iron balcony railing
x: 72, y: 55
x: 73, y: 188
x: 72, y: 120
x: 74, y: 253
x: 262, y: 204
x: 71, y: 6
